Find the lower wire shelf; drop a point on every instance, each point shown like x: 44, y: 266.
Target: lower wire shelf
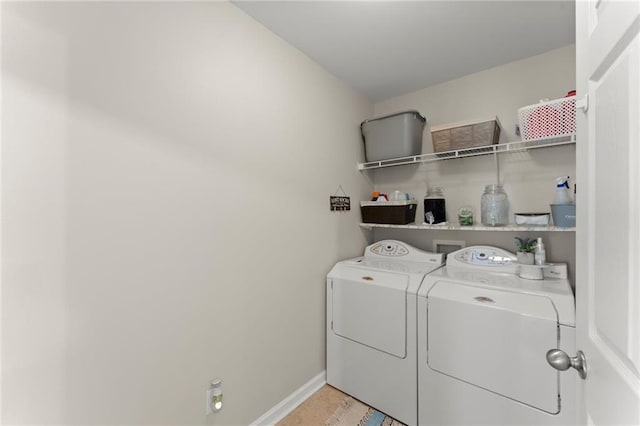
x: 452, y: 227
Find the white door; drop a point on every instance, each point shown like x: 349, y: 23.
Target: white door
x: 608, y: 234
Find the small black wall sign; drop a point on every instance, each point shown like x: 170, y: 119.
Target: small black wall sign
x: 339, y: 203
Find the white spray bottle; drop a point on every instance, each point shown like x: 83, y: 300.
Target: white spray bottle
x: 563, y: 196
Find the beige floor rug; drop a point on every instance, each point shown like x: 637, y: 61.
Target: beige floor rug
x: 354, y: 412
x: 330, y: 407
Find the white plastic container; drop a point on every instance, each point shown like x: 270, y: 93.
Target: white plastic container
x: 532, y: 219
x: 393, y: 136
x: 548, y: 119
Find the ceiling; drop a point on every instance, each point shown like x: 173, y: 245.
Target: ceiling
x: 385, y: 49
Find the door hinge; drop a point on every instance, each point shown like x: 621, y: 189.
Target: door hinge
x: 583, y: 103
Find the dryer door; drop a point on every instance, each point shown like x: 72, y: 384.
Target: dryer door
x: 370, y: 308
x: 496, y: 340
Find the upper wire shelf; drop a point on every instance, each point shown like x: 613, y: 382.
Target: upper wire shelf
x: 517, y: 146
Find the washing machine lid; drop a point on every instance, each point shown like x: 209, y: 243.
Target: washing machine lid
x: 370, y: 308
x: 495, y: 340
x: 406, y: 267
x: 558, y: 290
x: 495, y: 268
x: 413, y: 272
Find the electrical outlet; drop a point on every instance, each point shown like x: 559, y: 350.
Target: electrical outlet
x: 447, y: 246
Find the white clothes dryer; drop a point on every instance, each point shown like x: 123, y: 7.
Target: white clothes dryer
x: 483, y: 335
x: 371, y: 326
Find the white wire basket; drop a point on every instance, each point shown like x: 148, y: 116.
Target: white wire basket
x: 548, y: 119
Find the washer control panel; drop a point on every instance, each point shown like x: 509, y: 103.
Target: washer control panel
x: 397, y: 250
x: 482, y: 256
x: 389, y: 248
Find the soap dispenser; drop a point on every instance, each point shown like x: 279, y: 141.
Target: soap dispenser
x: 540, y: 254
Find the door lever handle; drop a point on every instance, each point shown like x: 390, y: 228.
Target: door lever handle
x: 559, y: 360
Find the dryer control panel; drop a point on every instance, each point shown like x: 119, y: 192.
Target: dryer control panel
x: 389, y: 248
x: 397, y: 250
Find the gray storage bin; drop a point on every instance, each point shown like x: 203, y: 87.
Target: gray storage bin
x: 393, y: 136
x: 564, y: 215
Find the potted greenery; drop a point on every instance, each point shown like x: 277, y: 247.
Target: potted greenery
x: 526, y: 247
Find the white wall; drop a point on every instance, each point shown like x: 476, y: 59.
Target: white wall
x: 166, y: 173
x: 528, y: 178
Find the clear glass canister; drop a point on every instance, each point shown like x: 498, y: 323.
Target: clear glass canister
x: 494, y: 206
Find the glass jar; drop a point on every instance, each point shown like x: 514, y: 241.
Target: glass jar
x: 494, y: 206
x: 465, y: 216
x: 434, y: 206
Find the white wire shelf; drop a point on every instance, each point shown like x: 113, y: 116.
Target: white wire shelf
x: 452, y: 227
x: 518, y: 146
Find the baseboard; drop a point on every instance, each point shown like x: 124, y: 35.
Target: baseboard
x: 287, y: 405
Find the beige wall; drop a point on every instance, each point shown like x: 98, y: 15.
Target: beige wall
x: 166, y: 172
x: 165, y: 175
x: 528, y: 178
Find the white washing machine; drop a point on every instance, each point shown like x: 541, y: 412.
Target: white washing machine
x: 483, y: 335
x: 371, y: 326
